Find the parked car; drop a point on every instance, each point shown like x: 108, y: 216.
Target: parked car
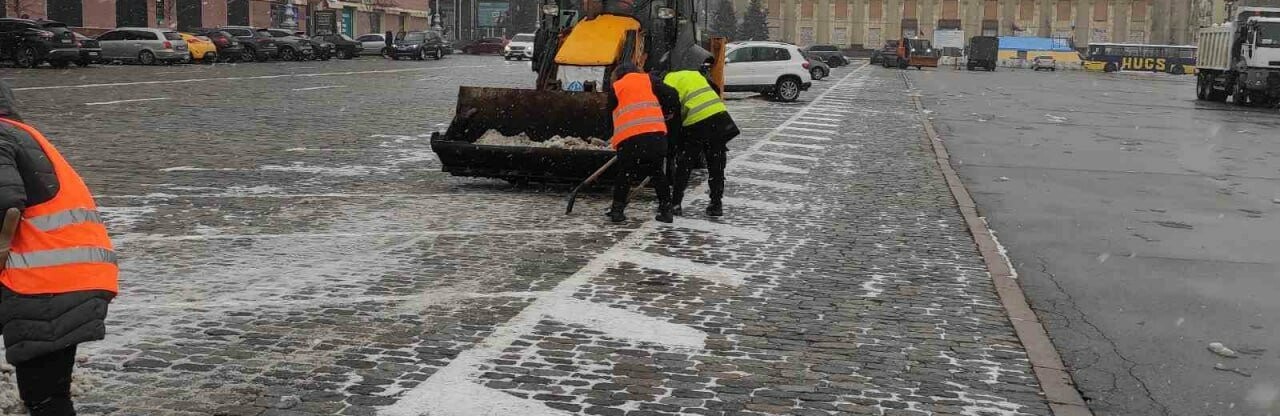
x: 1044, y: 62
x: 259, y: 45
x: 201, y: 48
x: 229, y: 48
x: 291, y: 47
x: 778, y: 70
x: 321, y: 49
x: 485, y: 46
x: 344, y: 47
x: 830, y: 54
x: 817, y: 68
x: 520, y: 47
x: 143, y: 45
x: 28, y: 43
x: 420, y: 46
x: 90, y: 52
x: 888, y: 54
x: 372, y: 43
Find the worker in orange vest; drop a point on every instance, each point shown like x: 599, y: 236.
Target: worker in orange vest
x: 59, y: 269
x: 640, y: 136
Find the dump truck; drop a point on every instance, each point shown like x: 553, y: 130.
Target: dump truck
x: 982, y: 52
x: 558, y: 130
x: 1241, y: 59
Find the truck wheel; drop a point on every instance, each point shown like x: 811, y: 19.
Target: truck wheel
x: 1202, y: 88
x: 1110, y: 67
x: 1239, y: 95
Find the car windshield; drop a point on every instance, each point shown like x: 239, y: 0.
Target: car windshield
x: 415, y: 37
x: 522, y: 38
x: 172, y: 36
x: 343, y: 36
x: 264, y: 33
x: 1269, y: 34
x: 239, y: 32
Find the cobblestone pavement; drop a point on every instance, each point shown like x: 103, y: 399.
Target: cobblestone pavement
x: 290, y: 247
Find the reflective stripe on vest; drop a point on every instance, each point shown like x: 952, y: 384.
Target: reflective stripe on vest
x: 698, y: 100
x: 62, y: 219
x: 638, y: 109
x: 61, y: 245
x: 60, y: 257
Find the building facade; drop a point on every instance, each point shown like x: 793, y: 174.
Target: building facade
x: 868, y: 23
x: 351, y: 17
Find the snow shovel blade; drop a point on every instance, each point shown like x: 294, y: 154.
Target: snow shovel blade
x: 573, y: 196
x: 537, y: 113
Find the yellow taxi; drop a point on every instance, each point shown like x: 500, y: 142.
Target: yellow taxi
x: 202, y: 49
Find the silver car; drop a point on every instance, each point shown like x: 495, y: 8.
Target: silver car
x: 373, y: 43
x: 143, y: 45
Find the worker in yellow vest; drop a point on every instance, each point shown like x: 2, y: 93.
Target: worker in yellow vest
x: 706, y: 128
x: 59, y: 269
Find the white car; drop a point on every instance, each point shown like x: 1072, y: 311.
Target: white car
x: 519, y: 48
x: 1044, y: 62
x: 775, y: 69
x: 372, y: 43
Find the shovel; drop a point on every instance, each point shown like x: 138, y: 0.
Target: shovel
x: 573, y: 196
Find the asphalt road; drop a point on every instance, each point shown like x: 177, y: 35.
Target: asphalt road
x: 1143, y: 225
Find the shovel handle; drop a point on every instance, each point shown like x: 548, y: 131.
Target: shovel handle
x: 573, y: 196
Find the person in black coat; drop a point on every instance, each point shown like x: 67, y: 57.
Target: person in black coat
x: 40, y: 331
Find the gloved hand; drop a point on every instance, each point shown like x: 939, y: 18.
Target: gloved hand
x: 7, y: 230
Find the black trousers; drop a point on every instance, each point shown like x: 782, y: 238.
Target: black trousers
x: 44, y: 383
x: 639, y: 157
x: 693, y: 145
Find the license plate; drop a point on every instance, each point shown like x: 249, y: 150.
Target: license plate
x: 93, y: 54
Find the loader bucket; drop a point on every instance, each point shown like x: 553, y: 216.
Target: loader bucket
x: 538, y: 114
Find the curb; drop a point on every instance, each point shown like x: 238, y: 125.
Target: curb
x: 1059, y: 389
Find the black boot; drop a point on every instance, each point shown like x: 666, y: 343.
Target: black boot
x: 664, y: 213
x: 615, y: 214
x: 716, y: 207
x: 677, y: 211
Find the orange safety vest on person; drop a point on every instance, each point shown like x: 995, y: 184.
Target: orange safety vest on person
x: 61, y: 244
x: 638, y: 109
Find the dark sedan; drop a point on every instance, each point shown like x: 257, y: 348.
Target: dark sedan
x: 419, y: 45
x: 90, y: 51
x: 229, y: 48
x: 344, y: 47
x: 485, y: 46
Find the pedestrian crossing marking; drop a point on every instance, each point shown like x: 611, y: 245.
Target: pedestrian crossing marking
x: 768, y: 166
x: 684, y: 267
x: 810, y: 123
x: 817, y: 118
x: 799, y: 145
x: 768, y: 184
x: 803, y: 136
x: 809, y: 129
x: 787, y: 156
x: 469, y: 398
x: 764, y: 205
x: 721, y: 229
x: 625, y: 324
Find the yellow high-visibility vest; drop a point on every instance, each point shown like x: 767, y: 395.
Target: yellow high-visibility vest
x: 697, y: 99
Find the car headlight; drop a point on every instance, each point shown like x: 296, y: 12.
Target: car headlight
x: 666, y: 13
x: 550, y: 9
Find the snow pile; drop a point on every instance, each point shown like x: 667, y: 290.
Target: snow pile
x: 494, y: 138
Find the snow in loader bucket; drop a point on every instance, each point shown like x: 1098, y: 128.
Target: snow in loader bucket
x: 526, y: 135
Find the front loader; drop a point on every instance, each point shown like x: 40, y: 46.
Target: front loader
x: 577, y: 46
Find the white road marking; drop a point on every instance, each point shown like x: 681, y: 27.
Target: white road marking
x: 819, y: 118
x: 470, y: 399
x: 764, y: 205
x: 799, y: 145
x: 621, y: 323
x: 323, y: 87
x: 809, y: 123
x: 184, y: 81
x: 127, y: 101
x: 788, y: 156
x: 802, y: 136
x: 684, y: 267
x: 825, y: 131
x: 770, y: 167
x: 768, y: 184
x: 720, y: 228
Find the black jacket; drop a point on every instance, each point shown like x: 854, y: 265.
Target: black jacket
x: 39, y: 324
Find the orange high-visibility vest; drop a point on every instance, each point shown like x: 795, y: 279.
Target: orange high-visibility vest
x: 61, y: 245
x: 638, y: 109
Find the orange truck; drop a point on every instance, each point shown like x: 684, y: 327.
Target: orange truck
x: 916, y: 52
